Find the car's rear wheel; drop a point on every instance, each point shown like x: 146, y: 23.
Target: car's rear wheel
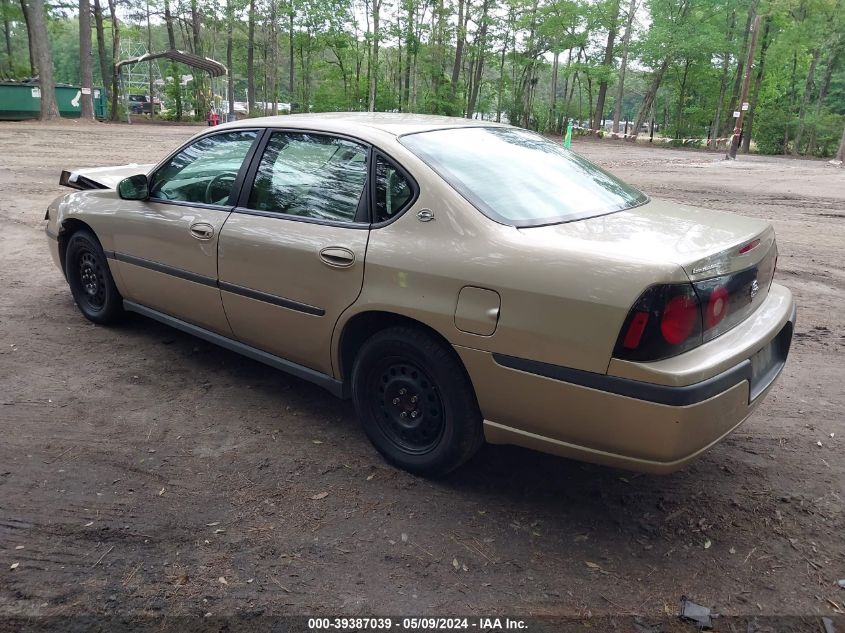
x: 90, y: 279
x: 415, y: 401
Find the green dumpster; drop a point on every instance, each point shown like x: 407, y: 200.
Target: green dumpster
x: 21, y: 101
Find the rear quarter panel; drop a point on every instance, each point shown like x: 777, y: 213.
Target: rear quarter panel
x: 557, y: 305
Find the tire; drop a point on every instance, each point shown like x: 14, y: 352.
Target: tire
x: 416, y: 402
x: 90, y: 279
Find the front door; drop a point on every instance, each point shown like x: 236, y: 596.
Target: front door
x: 167, y: 254
x: 291, y: 256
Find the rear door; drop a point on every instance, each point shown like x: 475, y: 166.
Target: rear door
x: 291, y: 255
x: 166, y: 246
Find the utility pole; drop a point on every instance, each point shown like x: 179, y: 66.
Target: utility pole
x: 743, y: 102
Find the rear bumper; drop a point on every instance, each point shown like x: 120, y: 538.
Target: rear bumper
x: 629, y: 423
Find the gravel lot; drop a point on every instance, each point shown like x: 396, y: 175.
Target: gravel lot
x: 141, y: 467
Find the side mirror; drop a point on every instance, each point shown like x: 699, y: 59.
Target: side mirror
x: 134, y: 188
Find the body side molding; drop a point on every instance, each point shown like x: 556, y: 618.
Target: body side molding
x: 166, y: 269
x: 660, y: 394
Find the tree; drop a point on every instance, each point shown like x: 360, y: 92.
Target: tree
x: 101, y: 45
x: 250, y: 59
x: 7, y: 34
x: 115, y: 51
x: 230, y: 79
x: 373, y: 71
x: 41, y: 46
x: 840, y: 155
x: 607, y: 63
x: 86, y: 74
x: 620, y: 90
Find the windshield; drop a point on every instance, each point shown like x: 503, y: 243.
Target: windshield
x: 519, y: 178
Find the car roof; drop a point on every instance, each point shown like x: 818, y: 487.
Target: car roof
x: 393, y: 123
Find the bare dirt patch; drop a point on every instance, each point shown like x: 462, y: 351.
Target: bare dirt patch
x: 139, y: 465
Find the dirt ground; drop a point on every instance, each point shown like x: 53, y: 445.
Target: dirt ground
x: 145, y: 471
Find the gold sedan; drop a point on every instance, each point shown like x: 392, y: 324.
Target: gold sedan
x: 459, y: 280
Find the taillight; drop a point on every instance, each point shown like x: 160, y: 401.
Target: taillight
x: 665, y: 320
x: 670, y: 319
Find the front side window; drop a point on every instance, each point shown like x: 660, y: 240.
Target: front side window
x: 205, y: 171
x: 393, y: 190
x: 519, y: 178
x: 310, y: 175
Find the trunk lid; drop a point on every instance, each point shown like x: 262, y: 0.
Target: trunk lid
x: 100, y: 177
x: 704, y: 243
x: 730, y: 259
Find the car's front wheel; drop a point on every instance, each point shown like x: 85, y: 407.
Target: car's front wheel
x: 415, y: 401
x: 90, y: 279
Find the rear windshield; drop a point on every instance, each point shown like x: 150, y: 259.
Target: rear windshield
x: 519, y: 178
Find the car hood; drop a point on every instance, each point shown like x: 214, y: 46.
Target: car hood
x: 705, y: 243
x: 101, y: 177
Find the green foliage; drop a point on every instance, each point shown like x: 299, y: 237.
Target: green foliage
x: 691, y: 51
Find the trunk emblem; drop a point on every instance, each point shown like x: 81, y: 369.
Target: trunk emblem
x: 755, y: 288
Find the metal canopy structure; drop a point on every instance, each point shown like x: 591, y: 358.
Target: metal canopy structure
x: 213, y: 68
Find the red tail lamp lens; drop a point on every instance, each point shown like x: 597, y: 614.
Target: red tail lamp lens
x: 679, y: 319
x: 635, y: 330
x: 748, y: 247
x: 717, y: 307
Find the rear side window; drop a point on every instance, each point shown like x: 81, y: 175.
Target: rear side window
x: 310, y: 175
x: 393, y: 190
x: 205, y: 171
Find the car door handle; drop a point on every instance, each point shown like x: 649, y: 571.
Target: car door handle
x: 337, y: 257
x: 202, y: 231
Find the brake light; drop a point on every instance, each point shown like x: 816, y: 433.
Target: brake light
x: 750, y: 246
x: 679, y: 319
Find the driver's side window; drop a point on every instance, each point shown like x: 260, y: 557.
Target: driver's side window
x: 205, y: 171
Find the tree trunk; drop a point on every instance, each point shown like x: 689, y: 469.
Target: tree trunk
x: 273, y: 43
x: 500, y: 91
x: 149, y: 64
x: 681, y: 95
x: 620, y: 87
x: 291, y: 78
x: 101, y: 46
x: 758, y: 82
x: 651, y: 93
x: 199, y: 78
x: 740, y: 67
x: 115, y: 52
x: 410, y: 45
x: 805, y: 101
x: 840, y: 155
x: 230, y: 19
x: 7, y: 36
x: 371, y: 104
x: 481, y: 45
x: 33, y: 66
x: 250, y: 59
x: 174, y: 71
x: 459, y: 50
x: 86, y: 71
x: 832, y: 58
x: 723, y: 82
x: 41, y: 46
x: 606, y: 64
